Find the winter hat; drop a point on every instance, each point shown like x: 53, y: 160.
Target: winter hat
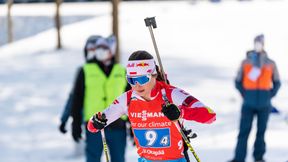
x: 96, y: 41
x: 259, y: 39
x: 112, y: 42
x: 109, y: 42
x: 101, y: 42
x: 141, y: 67
x: 90, y: 44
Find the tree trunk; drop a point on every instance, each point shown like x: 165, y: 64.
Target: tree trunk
x: 115, y: 27
x: 58, y: 23
x: 9, y: 22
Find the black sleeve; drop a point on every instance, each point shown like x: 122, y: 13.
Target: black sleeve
x: 78, y: 98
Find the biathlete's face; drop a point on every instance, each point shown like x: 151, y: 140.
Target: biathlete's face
x: 142, y: 85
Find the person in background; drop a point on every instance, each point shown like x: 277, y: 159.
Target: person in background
x: 78, y: 150
x: 153, y: 108
x: 258, y: 82
x: 68, y: 106
x: 98, y: 83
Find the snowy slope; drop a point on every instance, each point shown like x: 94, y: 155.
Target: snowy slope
x: 201, y: 46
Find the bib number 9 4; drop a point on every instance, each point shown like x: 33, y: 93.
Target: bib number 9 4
x: 156, y: 138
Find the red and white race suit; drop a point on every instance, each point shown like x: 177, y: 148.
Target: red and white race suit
x: 156, y: 137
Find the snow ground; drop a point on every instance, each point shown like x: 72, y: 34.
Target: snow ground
x: 201, y: 46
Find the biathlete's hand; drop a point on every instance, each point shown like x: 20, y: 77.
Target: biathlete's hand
x: 189, y: 134
x: 171, y: 111
x: 99, y: 120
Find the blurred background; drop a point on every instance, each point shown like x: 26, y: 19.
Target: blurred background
x: 201, y: 43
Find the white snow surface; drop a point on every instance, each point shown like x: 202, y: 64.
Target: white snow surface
x: 201, y: 46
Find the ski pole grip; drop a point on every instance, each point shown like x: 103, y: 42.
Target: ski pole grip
x: 150, y: 21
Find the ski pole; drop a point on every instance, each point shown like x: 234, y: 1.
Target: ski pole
x: 151, y: 22
x: 105, y: 148
x: 187, y: 142
x: 185, y: 138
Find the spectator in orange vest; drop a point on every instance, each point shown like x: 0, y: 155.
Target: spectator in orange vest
x: 258, y: 82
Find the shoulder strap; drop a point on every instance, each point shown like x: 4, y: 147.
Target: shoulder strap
x: 129, y: 95
x: 164, y: 96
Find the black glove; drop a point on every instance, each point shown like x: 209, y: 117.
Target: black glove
x: 62, y: 128
x: 171, y: 111
x: 189, y: 134
x: 99, y: 120
x: 76, y: 132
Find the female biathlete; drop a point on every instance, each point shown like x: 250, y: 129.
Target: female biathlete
x: 152, y: 119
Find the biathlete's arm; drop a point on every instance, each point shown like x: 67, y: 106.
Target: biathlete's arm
x: 113, y: 112
x: 191, y: 108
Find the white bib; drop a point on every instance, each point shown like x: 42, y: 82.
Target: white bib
x: 254, y: 74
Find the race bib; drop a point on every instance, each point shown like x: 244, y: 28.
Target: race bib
x: 153, y: 138
x: 254, y: 73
